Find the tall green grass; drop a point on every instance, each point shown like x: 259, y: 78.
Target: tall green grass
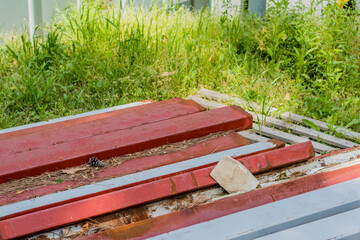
x: 298, y: 60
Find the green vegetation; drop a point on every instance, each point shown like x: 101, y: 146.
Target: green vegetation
x: 301, y: 61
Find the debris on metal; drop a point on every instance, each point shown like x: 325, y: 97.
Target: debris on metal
x: 171, y: 194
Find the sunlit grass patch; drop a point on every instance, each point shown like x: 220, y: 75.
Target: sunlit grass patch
x: 101, y: 56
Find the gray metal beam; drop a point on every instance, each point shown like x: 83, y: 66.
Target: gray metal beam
x: 277, y: 216
x: 341, y: 226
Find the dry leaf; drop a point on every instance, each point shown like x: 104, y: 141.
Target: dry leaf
x: 20, y: 191
x: 85, y: 228
x: 73, y: 170
x: 211, y: 57
x: 261, y: 46
x: 166, y: 74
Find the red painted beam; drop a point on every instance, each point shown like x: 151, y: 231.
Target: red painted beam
x: 229, y: 141
x: 202, y: 213
x: 75, y: 211
x: 126, y: 118
x: 123, y: 142
x: 279, y: 158
x: 262, y: 162
x: 69, y: 122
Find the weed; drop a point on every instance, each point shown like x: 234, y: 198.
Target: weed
x: 296, y: 59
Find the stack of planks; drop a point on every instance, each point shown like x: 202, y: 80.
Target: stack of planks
x: 65, y: 145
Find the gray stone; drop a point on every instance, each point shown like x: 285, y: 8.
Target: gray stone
x: 233, y: 176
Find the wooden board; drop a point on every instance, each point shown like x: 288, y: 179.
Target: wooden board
x: 269, y: 132
x: 287, y: 115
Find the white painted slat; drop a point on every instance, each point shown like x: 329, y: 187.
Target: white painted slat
x: 223, y: 97
x: 311, y: 133
x: 131, y: 178
x: 322, y: 125
x: 276, y: 216
x: 253, y: 136
x: 269, y: 132
x: 283, y: 136
x: 287, y: 115
x: 206, y: 103
x: 35, y: 16
x: 290, y: 138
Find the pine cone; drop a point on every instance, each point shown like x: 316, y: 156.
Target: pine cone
x: 95, y: 162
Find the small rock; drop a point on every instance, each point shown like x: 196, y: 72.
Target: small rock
x: 233, y: 176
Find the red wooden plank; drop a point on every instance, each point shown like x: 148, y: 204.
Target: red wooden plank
x: 123, y: 142
x: 229, y: 141
x: 130, y: 117
x: 69, y: 122
x: 176, y: 220
x: 113, y: 201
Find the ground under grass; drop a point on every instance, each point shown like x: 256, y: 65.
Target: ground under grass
x: 295, y: 60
